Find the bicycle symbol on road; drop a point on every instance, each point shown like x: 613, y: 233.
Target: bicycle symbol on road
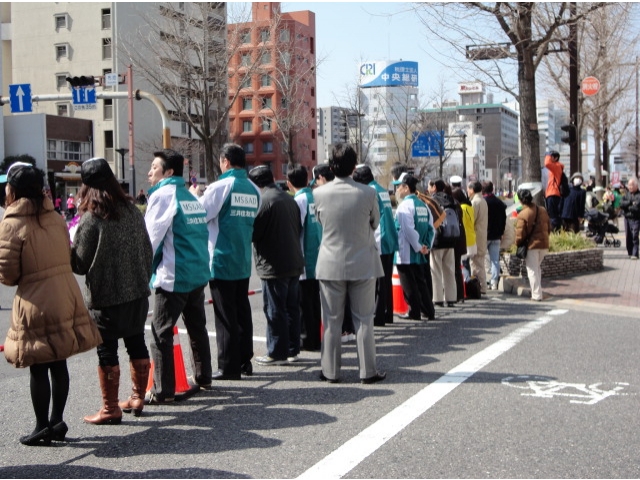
x: 544, y: 387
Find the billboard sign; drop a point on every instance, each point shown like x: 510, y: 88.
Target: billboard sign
x: 470, y: 87
x: 389, y: 74
x: 428, y: 144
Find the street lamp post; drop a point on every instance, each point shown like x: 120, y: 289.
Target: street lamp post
x: 122, y: 152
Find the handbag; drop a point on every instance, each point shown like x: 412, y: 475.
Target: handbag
x: 522, y: 250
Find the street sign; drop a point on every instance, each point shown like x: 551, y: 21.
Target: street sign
x: 110, y: 79
x: 428, y: 144
x: 84, y: 98
x: 590, y: 86
x: 20, y: 98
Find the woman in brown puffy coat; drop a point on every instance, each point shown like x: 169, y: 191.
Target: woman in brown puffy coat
x: 49, y: 322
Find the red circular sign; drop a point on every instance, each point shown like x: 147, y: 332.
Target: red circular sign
x: 590, y: 86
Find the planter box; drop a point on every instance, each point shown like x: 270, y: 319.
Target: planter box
x: 558, y: 263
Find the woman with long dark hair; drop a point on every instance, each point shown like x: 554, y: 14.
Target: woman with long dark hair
x: 49, y: 322
x: 112, y: 248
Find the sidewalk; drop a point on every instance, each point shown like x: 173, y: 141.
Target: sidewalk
x: 618, y: 284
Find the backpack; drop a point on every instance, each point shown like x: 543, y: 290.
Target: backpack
x: 450, y: 228
x: 565, y: 190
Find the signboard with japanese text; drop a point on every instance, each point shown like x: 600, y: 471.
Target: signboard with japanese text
x: 84, y: 98
x: 470, y: 87
x: 389, y: 74
x: 428, y: 144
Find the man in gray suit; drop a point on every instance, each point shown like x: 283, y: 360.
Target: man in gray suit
x: 348, y: 263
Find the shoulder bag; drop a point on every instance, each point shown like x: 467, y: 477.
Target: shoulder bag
x: 521, y: 251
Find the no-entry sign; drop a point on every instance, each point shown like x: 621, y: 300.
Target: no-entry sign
x: 590, y: 86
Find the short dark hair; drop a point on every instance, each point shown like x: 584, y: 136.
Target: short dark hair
x: 235, y: 154
x: 525, y: 196
x: 261, y: 175
x: 171, y: 160
x: 363, y: 174
x: 323, y: 170
x: 475, y: 186
x: 398, y: 169
x: 487, y: 186
x: 298, y: 175
x: 411, y: 182
x: 343, y: 160
x: 439, y: 184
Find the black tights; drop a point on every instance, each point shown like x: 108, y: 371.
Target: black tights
x: 42, y: 392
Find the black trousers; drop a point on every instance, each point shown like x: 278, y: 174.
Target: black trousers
x: 311, y: 314
x: 554, y: 209
x: 416, y: 291
x: 384, y: 293
x: 234, y: 325
x: 631, y: 230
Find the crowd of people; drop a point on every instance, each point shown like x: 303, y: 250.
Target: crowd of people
x: 325, y: 254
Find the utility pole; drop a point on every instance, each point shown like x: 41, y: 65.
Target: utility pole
x: 574, y: 86
x: 464, y: 158
x: 637, y: 125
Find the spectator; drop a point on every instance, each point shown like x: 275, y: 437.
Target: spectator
x: 553, y: 195
x: 178, y: 233
x: 496, y: 222
x: 481, y: 225
x: 469, y: 230
x: 387, y: 242
x: 49, y: 322
x: 141, y: 199
x: 415, y: 238
x: 460, y: 248
x: 348, y: 263
x: 442, y: 255
x: 111, y: 248
x: 533, y: 228
x: 630, y: 207
x: 573, y: 206
x: 279, y: 264
x: 71, y: 206
x: 231, y: 204
x: 310, y: 311
x: 322, y: 174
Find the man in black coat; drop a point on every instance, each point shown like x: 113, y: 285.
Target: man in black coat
x: 630, y: 207
x: 496, y: 221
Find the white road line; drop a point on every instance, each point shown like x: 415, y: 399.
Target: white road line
x: 341, y: 461
x: 211, y: 334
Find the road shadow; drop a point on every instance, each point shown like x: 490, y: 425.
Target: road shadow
x: 77, y: 471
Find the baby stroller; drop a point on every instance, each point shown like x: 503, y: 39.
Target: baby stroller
x: 599, y: 226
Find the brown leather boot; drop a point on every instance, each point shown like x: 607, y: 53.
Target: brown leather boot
x: 139, y: 378
x: 110, y: 412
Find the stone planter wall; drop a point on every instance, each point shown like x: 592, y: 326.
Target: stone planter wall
x: 558, y: 263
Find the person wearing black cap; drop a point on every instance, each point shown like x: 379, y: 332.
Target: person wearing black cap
x: 49, y: 321
x: 111, y: 247
x: 279, y: 264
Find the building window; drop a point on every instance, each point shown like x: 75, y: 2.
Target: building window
x: 313, y: 155
x: 62, y: 51
x: 108, y: 109
x: 106, y: 19
x: 266, y: 124
x: 245, y: 60
x: 64, y: 150
x: 284, y: 102
x: 246, y: 82
x: 313, y: 91
x: 313, y: 113
x: 266, y: 58
x: 61, y: 80
x: 61, y: 20
x: 267, y: 147
x: 246, y: 36
x: 285, y: 58
x: 108, y: 146
x: 246, y: 126
x: 265, y: 36
x: 265, y: 81
x: 266, y: 102
x: 313, y: 134
x: 247, y: 147
x: 63, y: 109
x: 247, y: 103
x: 184, y: 128
x: 106, y: 49
x: 311, y: 46
x: 284, y: 35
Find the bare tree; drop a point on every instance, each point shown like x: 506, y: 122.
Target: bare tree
x: 494, y: 28
x: 183, y: 51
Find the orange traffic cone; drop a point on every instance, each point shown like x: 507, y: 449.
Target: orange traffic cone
x: 400, y: 306
x: 183, y: 389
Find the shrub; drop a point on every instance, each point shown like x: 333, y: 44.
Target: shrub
x: 563, y: 241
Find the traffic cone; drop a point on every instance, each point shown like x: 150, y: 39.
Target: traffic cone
x: 183, y: 389
x: 400, y: 306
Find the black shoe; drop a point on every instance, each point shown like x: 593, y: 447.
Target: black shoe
x: 439, y: 304
x: 378, y: 377
x: 406, y: 316
x: 329, y: 380
x: 225, y: 376
x: 59, y: 431
x: 37, y: 439
x: 451, y: 304
x: 153, y: 399
x: 246, y: 369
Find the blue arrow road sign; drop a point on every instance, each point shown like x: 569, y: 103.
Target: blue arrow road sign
x: 428, y: 144
x: 84, y: 95
x: 20, y: 98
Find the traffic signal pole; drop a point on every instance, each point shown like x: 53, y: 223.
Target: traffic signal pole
x: 574, y: 86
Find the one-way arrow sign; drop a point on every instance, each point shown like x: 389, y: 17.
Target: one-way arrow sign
x: 20, y: 98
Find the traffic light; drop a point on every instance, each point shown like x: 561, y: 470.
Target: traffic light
x: 571, y: 138
x: 83, y: 81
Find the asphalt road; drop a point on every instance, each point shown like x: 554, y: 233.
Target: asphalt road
x: 501, y: 387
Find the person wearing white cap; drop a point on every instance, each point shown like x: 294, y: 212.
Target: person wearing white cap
x: 455, y: 181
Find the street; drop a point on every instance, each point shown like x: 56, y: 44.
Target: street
x: 500, y: 387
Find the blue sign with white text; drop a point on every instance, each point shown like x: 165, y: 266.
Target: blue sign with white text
x: 84, y: 95
x: 20, y: 98
x: 428, y: 144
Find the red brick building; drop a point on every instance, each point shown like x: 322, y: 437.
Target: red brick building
x: 274, y: 116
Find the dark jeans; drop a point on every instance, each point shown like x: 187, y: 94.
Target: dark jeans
x: 234, y: 325
x: 416, y: 291
x: 282, y: 309
x: 554, y: 209
x: 384, y: 293
x: 632, y: 229
x: 311, y: 314
x: 167, y: 310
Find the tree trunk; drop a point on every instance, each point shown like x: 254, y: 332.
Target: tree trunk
x: 597, y: 158
x: 529, y: 134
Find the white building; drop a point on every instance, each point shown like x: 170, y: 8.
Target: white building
x: 44, y: 43
x: 334, y: 126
